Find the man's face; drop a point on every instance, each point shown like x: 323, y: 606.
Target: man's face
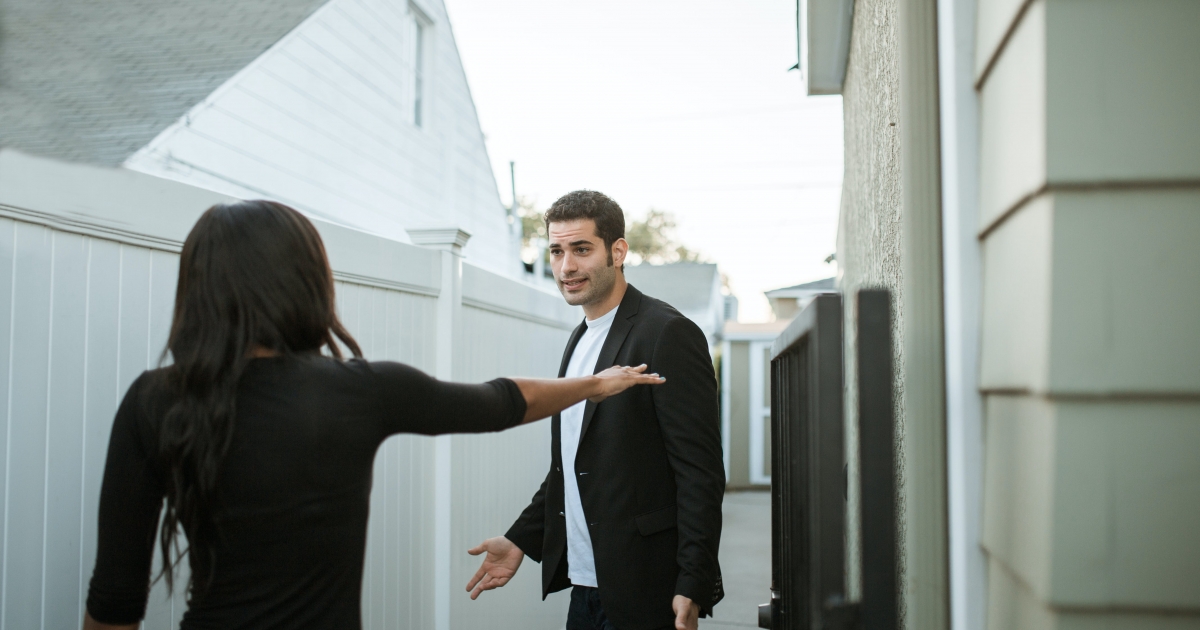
x: 583, y: 267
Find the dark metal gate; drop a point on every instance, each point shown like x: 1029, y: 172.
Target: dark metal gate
x: 808, y: 471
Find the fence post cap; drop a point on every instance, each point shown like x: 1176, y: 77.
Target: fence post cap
x: 449, y: 238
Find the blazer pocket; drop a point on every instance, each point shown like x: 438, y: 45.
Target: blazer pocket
x: 656, y: 521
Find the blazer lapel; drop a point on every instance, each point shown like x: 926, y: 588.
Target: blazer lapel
x: 571, y: 343
x: 612, y: 344
x: 556, y: 419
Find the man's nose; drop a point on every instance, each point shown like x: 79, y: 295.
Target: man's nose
x: 568, y: 262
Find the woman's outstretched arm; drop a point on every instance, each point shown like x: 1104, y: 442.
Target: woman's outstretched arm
x: 411, y: 401
x: 92, y: 624
x: 548, y: 396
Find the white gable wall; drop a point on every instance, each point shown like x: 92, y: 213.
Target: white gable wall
x: 324, y: 121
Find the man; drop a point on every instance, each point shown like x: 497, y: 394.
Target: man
x: 630, y: 512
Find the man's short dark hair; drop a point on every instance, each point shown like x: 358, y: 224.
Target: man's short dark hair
x: 589, y: 204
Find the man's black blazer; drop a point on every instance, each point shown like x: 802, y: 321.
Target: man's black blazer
x: 650, y: 472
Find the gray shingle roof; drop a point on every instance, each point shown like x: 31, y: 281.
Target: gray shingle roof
x: 95, y: 80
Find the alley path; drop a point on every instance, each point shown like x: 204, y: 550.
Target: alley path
x: 745, y: 560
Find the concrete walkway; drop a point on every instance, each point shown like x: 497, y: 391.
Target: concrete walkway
x: 745, y: 560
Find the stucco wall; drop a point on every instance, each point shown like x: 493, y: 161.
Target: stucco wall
x: 868, y: 244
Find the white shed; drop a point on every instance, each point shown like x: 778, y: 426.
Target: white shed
x: 694, y: 289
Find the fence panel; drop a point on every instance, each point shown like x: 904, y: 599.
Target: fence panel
x: 508, y: 329
x: 807, y: 500
x: 808, y: 564
x: 495, y: 475
x: 82, y: 318
x: 391, y: 325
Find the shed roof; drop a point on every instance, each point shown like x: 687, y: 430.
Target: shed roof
x: 686, y: 286
x: 90, y: 81
x: 825, y: 285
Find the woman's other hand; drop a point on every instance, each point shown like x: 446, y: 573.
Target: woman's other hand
x: 617, y: 379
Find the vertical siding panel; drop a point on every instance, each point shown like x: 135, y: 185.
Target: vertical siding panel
x: 164, y: 273
x: 349, y: 297
x: 411, y: 328
x: 7, y: 265
x: 401, y: 447
x: 339, y: 300
x: 426, y: 320
x: 485, y: 503
x: 394, y: 465
x: 134, y: 320
x: 358, y: 310
x: 64, y: 482
x: 376, y: 527
x: 25, y: 492
x: 348, y: 307
x: 133, y: 352
x: 411, y: 566
x: 101, y: 393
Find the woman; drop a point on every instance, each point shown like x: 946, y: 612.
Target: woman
x: 262, y: 446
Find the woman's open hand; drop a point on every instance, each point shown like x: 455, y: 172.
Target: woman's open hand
x: 617, y: 379
x: 548, y: 396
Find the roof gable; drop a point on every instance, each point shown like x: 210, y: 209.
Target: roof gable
x: 325, y: 121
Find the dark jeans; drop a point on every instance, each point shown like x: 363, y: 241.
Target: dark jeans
x: 586, y: 613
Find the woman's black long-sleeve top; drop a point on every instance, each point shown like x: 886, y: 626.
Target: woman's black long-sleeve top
x: 294, y: 488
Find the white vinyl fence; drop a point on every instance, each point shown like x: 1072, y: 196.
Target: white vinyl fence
x: 88, y: 261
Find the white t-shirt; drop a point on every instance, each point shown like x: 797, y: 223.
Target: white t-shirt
x: 580, y: 561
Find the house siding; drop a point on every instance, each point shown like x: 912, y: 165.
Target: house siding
x: 324, y: 121
x: 1089, y: 205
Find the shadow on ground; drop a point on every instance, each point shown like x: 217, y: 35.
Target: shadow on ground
x: 745, y: 560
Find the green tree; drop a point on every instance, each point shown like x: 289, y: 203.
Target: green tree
x: 532, y: 224
x: 652, y: 240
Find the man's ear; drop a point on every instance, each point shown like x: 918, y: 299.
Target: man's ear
x: 620, y: 248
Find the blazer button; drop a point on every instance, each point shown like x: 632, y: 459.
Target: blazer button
x: 558, y: 468
x: 562, y: 514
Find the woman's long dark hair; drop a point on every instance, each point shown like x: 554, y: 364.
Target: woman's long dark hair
x: 253, y: 274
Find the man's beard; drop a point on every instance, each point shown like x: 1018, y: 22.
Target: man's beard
x: 599, y: 285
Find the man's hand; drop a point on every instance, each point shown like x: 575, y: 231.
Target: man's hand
x: 687, y: 613
x: 499, y: 565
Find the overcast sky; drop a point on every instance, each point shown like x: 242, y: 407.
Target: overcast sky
x: 684, y: 106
